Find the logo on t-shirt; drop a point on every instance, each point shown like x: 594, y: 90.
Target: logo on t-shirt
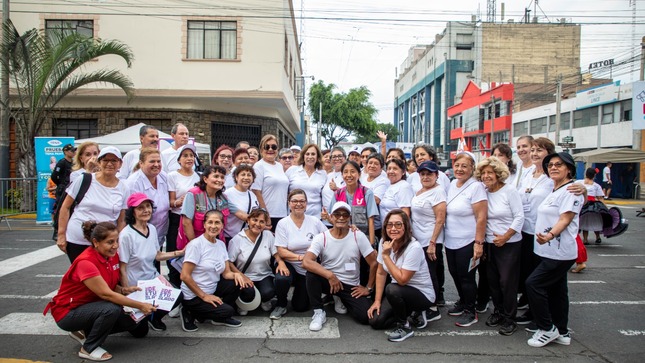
x: 576, y: 203
x: 310, y: 236
x: 115, y: 267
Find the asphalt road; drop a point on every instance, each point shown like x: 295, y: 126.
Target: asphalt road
x: 606, y: 318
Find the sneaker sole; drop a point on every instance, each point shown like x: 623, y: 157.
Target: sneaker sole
x: 400, y: 339
x: 225, y: 324
x: 321, y: 326
x: 508, y: 333
x: 459, y: 313
x: 562, y: 342
x: 151, y: 326
x: 438, y: 317
x: 467, y: 324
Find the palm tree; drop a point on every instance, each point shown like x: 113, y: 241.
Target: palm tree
x: 43, y: 71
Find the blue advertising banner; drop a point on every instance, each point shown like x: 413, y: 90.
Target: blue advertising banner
x: 48, y: 151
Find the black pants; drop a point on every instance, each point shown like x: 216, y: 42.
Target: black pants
x: 200, y: 310
x: 300, y: 299
x: 528, y: 260
x: 265, y: 286
x: 74, y: 250
x: 548, y: 294
x: 402, y: 301
x: 171, y: 245
x: 458, y: 263
x: 437, y: 271
x: 100, y: 319
x: 503, y: 276
x: 356, y: 307
x: 483, y: 289
x: 274, y: 223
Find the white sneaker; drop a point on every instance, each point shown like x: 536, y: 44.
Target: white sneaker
x: 267, y: 306
x: 563, y: 339
x: 242, y: 312
x: 317, y: 321
x: 543, y: 337
x: 339, y: 308
x: 174, y: 313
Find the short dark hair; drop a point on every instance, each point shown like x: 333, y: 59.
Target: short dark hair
x: 143, y: 131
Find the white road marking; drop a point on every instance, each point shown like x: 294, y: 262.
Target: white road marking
x: 639, y: 266
x: 586, y: 282
x: 454, y: 333
x: 641, y: 302
x: 252, y: 328
x: 621, y: 255
x: 28, y: 259
x: 23, y: 297
x: 51, y: 294
x: 632, y: 333
x: 45, y: 275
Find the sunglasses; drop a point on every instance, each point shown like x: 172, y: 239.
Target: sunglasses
x: 271, y: 147
x: 287, y: 158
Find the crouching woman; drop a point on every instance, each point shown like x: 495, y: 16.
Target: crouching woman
x: 90, y: 300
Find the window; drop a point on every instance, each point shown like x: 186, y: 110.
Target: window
x: 77, y: 128
x: 538, y: 126
x: 607, y: 114
x: 521, y: 128
x: 286, y: 54
x: 626, y: 110
x: 586, y: 117
x: 57, y: 29
x: 212, y: 39
x: 164, y: 125
x: 500, y: 137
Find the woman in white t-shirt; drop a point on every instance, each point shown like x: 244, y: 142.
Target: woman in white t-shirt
x: 374, y: 178
x: 399, y: 194
x: 240, y: 199
x: 505, y: 154
x: 138, y: 250
x: 209, y: 285
x: 256, y: 268
x: 85, y: 160
x: 240, y: 156
x: 334, y: 180
x: 271, y: 185
x: 401, y: 256
x: 556, y: 228
x: 293, y: 236
x: 503, y: 248
x: 104, y: 201
x: 179, y: 183
x: 420, y: 154
x: 308, y: 175
x: 465, y: 230
x: 428, y: 218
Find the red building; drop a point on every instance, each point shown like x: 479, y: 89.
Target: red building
x: 478, y: 113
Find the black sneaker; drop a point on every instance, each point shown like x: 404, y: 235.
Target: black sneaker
x: 523, y: 320
x: 531, y: 327
x: 466, y: 319
x: 156, y: 324
x: 456, y: 310
x: 187, y: 320
x: 523, y: 303
x: 598, y: 241
x: 433, y: 315
x: 418, y: 319
x: 494, y: 319
x: 230, y: 322
x: 508, y: 327
x: 440, y: 300
x: 481, y: 308
x: 401, y: 333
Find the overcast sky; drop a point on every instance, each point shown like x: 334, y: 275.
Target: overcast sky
x: 361, y: 42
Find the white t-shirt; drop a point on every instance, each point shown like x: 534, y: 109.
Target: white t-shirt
x: 240, y: 248
x: 342, y: 256
x: 297, y: 240
x: 238, y: 201
x: 379, y: 185
x: 312, y: 185
x: 100, y: 204
x: 413, y: 259
x: 398, y: 195
x: 593, y: 190
x: 181, y: 184
x: 327, y: 193
x: 415, y: 180
x: 423, y: 217
x: 169, y: 160
x: 461, y: 225
x: 138, y: 183
x: 532, y: 192
x: 606, y: 174
x: 139, y: 252
x: 229, y: 180
x: 521, y: 174
x: 210, y: 262
x: 130, y: 160
x: 564, y: 246
x: 75, y: 174
x: 504, y: 211
x: 274, y: 185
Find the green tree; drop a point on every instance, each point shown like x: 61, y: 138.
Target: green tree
x: 44, y: 71
x: 389, y: 129
x: 343, y: 114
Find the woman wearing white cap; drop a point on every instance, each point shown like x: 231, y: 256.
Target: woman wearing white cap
x: 104, y: 201
x: 138, y: 249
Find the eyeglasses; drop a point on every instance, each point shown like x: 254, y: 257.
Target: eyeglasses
x: 271, y: 147
x: 337, y: 157
x: 225, y: 156
x: 110, y: 161
x: 301, y: 201
x: 341, y: 215
x: 556, y: 164
x: 397, y: 225
x: 287, y: 158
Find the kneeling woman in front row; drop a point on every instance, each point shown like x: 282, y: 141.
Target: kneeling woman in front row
x: 411, y: 289
x: 208, y: 284
x: 90, y: 300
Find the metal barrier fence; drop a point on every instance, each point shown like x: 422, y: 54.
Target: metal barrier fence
x: 17, y: 196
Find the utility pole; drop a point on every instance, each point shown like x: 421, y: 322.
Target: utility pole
x: 4, y: 100
x: 558, y: 105
x: 639, y: 135
x: 492, y: 124
x: 319, y: 125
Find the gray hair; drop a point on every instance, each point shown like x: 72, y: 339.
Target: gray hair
x: 175, y: 128
x: 284, y: 151
x: 339, y: 148
x: 143, y: 131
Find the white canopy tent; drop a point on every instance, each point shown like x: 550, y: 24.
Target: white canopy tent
x: 623, y: 155
x: 128, y: 139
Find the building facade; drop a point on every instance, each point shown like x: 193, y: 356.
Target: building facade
x: 230, y: 72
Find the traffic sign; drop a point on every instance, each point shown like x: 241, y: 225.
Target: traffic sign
x: 567, y: 139
x: 567, y: 145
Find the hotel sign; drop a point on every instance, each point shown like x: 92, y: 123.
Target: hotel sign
x: 605, y: 63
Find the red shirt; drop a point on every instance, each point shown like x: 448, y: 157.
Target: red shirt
x: 73, y: 292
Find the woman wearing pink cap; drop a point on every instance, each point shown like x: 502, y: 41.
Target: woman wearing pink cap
x: 138, y: 249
